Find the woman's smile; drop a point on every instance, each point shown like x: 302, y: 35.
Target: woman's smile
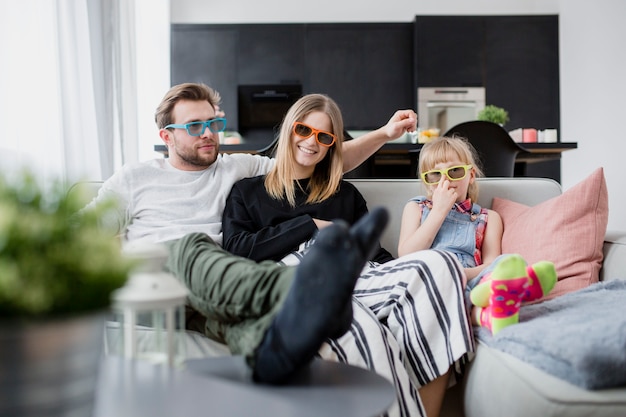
x: 306, y: 150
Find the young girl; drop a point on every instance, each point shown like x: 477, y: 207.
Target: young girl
x: 448, y: 218
x: 270, y: 217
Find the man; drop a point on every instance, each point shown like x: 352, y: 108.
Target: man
x: 277, y: 317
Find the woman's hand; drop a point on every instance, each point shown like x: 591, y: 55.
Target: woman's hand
x: 401, y: 122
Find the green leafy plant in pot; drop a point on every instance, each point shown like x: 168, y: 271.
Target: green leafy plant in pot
x: 58, y: 270
x: 494, y: 114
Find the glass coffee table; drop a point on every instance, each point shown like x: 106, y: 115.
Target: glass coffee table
x: 222, y: 386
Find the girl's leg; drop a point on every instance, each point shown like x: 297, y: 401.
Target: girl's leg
x: 432, y: 394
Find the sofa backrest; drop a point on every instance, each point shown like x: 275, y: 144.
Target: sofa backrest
x: 394, y: 194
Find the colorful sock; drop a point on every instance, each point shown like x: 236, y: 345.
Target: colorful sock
x: 484, y: 317
x: 508, y: 283
x: 542, y: 277
x: 479, y: 296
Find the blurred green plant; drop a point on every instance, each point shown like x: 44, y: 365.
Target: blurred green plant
x: 494, y: 114
x: 52, y: 260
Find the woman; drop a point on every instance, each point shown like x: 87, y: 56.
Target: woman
x: 300, y: 194
x: 419, y: 297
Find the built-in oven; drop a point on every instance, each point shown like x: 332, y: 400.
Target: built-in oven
x: 444, y: 107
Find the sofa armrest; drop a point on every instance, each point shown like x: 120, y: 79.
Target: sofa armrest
x: 614, y: 264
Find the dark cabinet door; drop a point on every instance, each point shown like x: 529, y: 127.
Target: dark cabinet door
x: 516, y: 59
x: 270, y: 54
x: 522, y: 63
x: 206, y: 53
x: 225, y: 56
x: 450, y: 51
x: 364, y: 67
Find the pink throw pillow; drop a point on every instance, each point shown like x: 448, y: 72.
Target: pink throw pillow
x: 568, y: 230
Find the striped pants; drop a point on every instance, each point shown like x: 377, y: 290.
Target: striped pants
x: 421, y: 329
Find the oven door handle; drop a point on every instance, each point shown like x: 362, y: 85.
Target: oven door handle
x: 451, y: 104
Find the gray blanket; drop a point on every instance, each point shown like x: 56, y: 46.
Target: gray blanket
x: 579, y: 337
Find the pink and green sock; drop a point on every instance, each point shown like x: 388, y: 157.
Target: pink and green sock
x: 542, y: 277
x: 507, y: 286
x: 500, y: 293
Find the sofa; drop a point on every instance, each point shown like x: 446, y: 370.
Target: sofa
x: 496, y: 383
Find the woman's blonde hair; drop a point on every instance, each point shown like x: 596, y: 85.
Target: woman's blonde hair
x: 280, y: 181
x: 445, y: 149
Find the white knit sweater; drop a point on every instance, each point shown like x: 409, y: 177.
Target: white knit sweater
x: 159, y: 202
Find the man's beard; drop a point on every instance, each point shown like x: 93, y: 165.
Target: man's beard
x: 194, y: 159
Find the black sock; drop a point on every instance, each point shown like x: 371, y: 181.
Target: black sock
x: 366, y: 232
x: 318, y: 305
x: 368, y: 229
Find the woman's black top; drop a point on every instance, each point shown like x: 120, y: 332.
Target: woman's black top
x: 260, y: 227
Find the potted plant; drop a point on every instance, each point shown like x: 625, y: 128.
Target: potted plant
x: 57, y: 272
x: 494, y: 114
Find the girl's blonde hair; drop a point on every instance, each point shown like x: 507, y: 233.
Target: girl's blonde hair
x: 280, y: 181
x: 444, y: 149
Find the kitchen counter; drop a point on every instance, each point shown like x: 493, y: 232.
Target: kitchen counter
x: 398, y: 158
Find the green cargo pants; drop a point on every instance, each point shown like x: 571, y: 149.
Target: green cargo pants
x: 239, y: 297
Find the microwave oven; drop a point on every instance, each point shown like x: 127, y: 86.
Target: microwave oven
x: 445, y: 107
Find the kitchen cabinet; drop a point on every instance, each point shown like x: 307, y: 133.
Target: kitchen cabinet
x: 366, y: 67
x: 205, y: 53
x: 224, y: 56
x: 449, y: 51
x: 373, y: 69
x: 522, y: 69
x: 516, y: 59
x: 270, y: 54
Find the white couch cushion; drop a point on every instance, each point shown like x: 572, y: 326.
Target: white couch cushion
x: 498, y: 384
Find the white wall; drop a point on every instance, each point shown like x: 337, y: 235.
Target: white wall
x: 153, y: 69
x: 593, y: 93
x: 592, y: 62
x: 288, y: 11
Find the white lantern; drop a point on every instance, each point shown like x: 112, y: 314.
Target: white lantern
x: 149, y: 311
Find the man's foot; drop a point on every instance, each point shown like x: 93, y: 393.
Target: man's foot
x: 318, y: 304
x: 368, y: 230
